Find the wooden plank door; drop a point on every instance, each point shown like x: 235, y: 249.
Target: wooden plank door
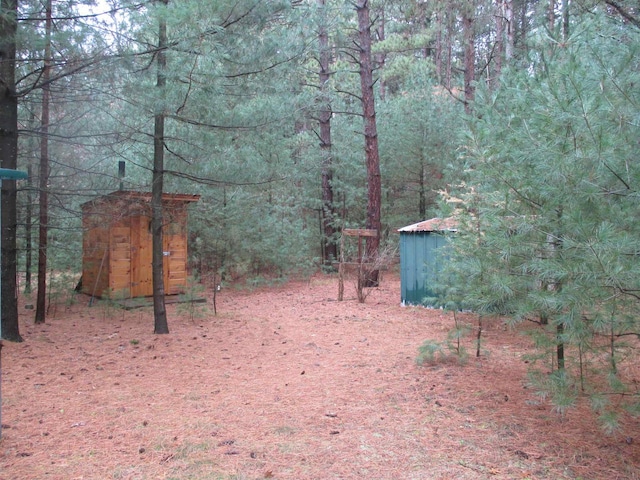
x: 175, y: 261
x: 141, y: 257
x: 120, y: 262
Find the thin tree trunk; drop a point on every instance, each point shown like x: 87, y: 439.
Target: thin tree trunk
x: 28, y: 232
x: 555, y: 242
x: 28, y: 228
x: 449, y: 42
x: 479, y: 336
x: 551, y: 15
x: 159, y: 309
x: 374, y: 187
x: 422, y: 193
x: 469, y: 55
x: 565, y: 19
x: 328, y: 208
x: 438, y: 59
x: 521, y: 28
x: 612, y: 347
x: 499, y: 49
x: 560, y: 345
x: 511, y: 30
x: 44, y: 175
x: 9, y: 160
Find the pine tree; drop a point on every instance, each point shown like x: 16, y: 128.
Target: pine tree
x: 9, y: 155
x: 157, y: 183
x: 551, y: 207
x: 372, y: 156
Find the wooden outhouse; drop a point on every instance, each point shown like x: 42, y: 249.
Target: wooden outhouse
x: 117, y: 244
x: 419, y: 259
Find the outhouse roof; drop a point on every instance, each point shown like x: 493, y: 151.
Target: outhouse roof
x: 432, y: 225
x: 144, y: 196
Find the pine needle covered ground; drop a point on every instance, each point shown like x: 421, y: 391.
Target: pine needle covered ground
x: 286, y: 383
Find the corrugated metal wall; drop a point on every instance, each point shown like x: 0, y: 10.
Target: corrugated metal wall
x: 419, y: 265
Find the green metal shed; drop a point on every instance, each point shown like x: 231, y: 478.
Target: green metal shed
x: 419, y: 262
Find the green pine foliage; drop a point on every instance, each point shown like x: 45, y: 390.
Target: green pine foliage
x: 549, y: 219
x: 421, y: 128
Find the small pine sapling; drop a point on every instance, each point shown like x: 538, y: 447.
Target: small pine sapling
x: 191, y: 301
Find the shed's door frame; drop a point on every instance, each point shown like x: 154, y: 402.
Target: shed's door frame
x: 141, y: 257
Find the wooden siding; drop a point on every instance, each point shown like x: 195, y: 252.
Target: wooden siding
x: 175, y: 264
x: 117, y: 246
x: 141, y: 257
x: 120, y: 264
x: 95, y: 260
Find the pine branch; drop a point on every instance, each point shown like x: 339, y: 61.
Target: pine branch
x: 264, y: 69
x: 197, y: 123
x: 351, y: 94
x: 624, y: 13
x: 211, y: 181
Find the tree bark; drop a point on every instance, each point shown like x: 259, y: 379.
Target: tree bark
x: 551, y: 15
x: 469, y: 55
x: 374, y: 188
x: 9, y: 159
x: 449, y: 44
x: 438, y: 46
x: 44, y: 174
x: 422, y: 192
x: 560, y: 345
x: 328, y: 208
x: 159, y: 309
x: 565, y: 19
x: 28, y: 232
x: 499, y: 48
x: 381, y: 57
x: 511, y: 30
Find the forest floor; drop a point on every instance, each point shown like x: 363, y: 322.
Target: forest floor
x: 285, y: 382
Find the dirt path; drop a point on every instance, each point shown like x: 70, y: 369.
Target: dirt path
x: 285, y: 383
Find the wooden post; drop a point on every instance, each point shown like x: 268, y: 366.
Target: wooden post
x: 352, y: 232
x: 341, y: 270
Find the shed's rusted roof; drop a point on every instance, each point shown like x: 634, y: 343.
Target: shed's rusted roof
x: 433, y: 225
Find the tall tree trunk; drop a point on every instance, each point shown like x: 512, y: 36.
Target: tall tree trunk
x: 374, y: 187
x: 381, y: 57
x: 555, y: 244
x: 159, y: 308
x: 565, y: 19
x: 328, y: 208
x: 511, y: 29
x: 469, y: 54
x: 551, y: 15
x: 28, y: 232
x: 44, y: 174
x: 499, y: 49
x: 9, y: 159
x: 449, y: 44
x: 521, y: 27
x: 438, y: 52
x: 28, y: 222
x: 422, y: 192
